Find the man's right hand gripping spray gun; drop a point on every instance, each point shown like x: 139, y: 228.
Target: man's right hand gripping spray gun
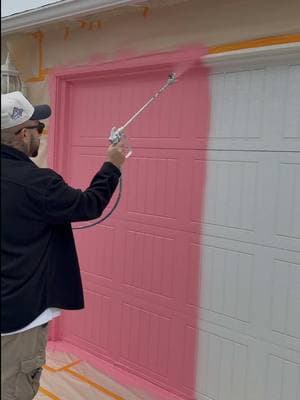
x: 118, y: 134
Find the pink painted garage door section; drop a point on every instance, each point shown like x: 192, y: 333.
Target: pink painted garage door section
x: 140, y: 268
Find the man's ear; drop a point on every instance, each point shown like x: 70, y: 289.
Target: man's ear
x: 24, y: 133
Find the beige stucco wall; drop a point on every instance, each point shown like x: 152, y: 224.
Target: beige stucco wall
x: 167, y: 26
x: 210, y: 22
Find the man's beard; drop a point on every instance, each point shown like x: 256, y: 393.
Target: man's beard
x: 34, y: 154
x: 34, y: 147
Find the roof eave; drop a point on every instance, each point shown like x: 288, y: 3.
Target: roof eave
x: 55, y: 12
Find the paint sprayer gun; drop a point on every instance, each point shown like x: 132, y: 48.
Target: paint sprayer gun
x: 118, y: 134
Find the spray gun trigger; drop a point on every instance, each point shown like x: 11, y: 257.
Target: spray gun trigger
x: 116, y: 135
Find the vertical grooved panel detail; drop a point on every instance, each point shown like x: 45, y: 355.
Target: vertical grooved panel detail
x: 153, y: 354
x: 249, y: 316
x: 233, y: 184
x: 288, y: 215
x: 222, y: 367
x: 282, y: 379
x: 159, y: 251
x: 286, y: 298
x: 135, y: 265
x: 227, y: 279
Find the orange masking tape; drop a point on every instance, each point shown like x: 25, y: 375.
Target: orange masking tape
x: 47, y: 368
x: 248, y: 44
x: 83, y: 378
x: 51, y: 369
x: 66, y: 33
x: 69, y: 365
x: 146, y: 11
x: 94, y: 385
x: 82, y: 23
x: 49, y: 394
x: 42, y: 71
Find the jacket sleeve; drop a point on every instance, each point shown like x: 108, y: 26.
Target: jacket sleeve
x: 63, y: 204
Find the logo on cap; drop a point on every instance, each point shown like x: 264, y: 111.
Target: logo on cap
x: 17, y: 113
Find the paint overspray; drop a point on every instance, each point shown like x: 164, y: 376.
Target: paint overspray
x: 182, y: 68
x: 117, y: 134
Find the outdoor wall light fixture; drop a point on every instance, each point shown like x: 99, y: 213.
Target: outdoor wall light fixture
x: 10, y: 78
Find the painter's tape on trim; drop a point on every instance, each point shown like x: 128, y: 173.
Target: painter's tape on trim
x: 250, y: 44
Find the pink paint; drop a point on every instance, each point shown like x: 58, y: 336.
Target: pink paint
x: 114, y: 372
x: 140, y: 268
x: 183, y: 68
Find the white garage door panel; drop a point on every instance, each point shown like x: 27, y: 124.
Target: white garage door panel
x: 251, y: 289
x: 254, y: 197
x: 238, y: 367
x: 288, y: 197
x: 256, y: 109
x: 249, y: 335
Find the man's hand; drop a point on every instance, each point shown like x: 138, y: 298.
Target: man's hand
x: 116, y: 154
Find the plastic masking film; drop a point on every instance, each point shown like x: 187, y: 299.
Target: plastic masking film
x: 65, y: 377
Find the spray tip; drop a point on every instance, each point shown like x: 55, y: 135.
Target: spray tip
x: 171, y: 77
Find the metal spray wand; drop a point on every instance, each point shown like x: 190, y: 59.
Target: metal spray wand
x: 118, y: 134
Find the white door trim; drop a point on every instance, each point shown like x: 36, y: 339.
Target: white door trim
x: 259, y: 56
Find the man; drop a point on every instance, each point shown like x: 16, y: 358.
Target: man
x: 39, y: 267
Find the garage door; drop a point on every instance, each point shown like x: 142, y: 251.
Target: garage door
x: 249, y: 324
x: 140, y: 267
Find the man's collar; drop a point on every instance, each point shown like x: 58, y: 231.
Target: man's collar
x: 11, y: 152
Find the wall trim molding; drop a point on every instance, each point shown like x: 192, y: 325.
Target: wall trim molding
x: 259, y: 56
x: 255, y: 43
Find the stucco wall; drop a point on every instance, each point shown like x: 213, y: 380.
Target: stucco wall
x: 167, y: 26
x: 210, y: 22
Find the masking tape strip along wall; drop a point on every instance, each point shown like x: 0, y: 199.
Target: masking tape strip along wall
x: 254, y: 43
x: 95, y: 385
x: 83, y: 378
x: 247, y: 44
x: 61, y: 368
x: 46, y: 392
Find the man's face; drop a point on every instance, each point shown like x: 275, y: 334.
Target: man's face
x: 30, y: 134
x: 34, y: 142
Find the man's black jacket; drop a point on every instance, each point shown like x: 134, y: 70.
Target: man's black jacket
x: 39, y: 265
